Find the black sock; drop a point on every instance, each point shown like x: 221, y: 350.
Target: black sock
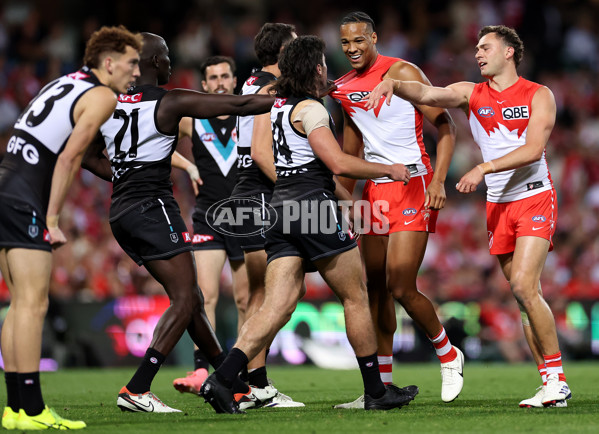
x: 12, y: 390
x: 369, y: 368
x: 239, y: 386
x: 200, y: 361
x: 30, y: 393
x: 143, y: 377
x: 218, y: 360
x: 243, y: 375
x: 230, y: 368
x: 258, y: 378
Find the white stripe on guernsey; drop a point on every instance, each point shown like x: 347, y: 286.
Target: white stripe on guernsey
x: 263, y: 208
x: 164, y: 211
x: 385, y: 360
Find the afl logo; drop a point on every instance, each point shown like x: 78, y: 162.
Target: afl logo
x: 539, y: 218
x: 486, y: 112
x: 409, y: 211
x: 208, y: 137
x: 358, y: 96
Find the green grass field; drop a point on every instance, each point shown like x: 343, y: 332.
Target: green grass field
x: 488, y: 403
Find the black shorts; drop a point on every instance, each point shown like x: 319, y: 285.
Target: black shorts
x: 152, y: 229
x: 22, y: 226
x: 252, y: 231
x: 206, y: 238
x: 315, y: 231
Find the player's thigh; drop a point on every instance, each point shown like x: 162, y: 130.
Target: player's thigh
x: 405, y: 254
x: 343, y: 274
x: 528, y: 261
x: 29, y: 271
x: 209, y: 266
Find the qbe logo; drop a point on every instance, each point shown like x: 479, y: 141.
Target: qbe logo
x: 358, y: 96
x: 512, y: 113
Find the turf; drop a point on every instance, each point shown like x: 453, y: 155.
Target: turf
x: 488, y: 403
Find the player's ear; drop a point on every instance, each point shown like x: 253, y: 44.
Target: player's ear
x: 108, y: 60
x: 155, y: 61
x: 204, y: 86
x: 374, y: 37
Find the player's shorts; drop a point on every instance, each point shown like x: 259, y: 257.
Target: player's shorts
x: 534, y: 216
x: 396, y: 207
x: 22, y: 226
x: 152, y: 229
x: 206, y: 238
x: 251, y: 232
x: 315, y: 231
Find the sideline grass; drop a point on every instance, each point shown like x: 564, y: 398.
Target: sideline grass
x: 488, y: 403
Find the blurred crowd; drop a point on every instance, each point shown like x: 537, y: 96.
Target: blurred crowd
x: 41, y: 40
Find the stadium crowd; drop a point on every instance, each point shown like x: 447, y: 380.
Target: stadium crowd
x: 40, y: 41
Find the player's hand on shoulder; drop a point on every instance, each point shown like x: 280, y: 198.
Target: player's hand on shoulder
x: 383, y: 89
x: 399, y: 172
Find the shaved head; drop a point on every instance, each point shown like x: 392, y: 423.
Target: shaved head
x: 153, y: 45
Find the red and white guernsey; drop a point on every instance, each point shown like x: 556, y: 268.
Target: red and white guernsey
x: 499, y: 121
x: 392, y: 134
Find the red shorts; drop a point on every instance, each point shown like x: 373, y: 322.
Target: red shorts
x: 534, y: 216
x: 396, y: 207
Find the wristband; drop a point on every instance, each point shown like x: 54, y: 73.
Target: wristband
x: 52, y: 221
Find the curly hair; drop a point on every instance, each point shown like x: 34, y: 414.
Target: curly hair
x: 270, y: 39
x: 110, y: 40
x: 215, y: 60
x: 298, y: 63
x: 509, y: 38
x: 358, y: 17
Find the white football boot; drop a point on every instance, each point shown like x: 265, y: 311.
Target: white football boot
x: 452, y: 377
x: 144, y: 402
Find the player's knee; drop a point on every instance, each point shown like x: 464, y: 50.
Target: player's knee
x: 526, y: 295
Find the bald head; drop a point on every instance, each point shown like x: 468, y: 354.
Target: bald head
x: 154, y: 45
x: 155, y: 65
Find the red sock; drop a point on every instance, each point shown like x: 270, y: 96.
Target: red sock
x: 445, y: 351
x: 386, y: 368
x: 554, y: 365
x: 543, y: 372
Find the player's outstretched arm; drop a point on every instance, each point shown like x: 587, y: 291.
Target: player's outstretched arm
x: 179, y: 103
x: 91, y: 111
x: 453, y: 96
